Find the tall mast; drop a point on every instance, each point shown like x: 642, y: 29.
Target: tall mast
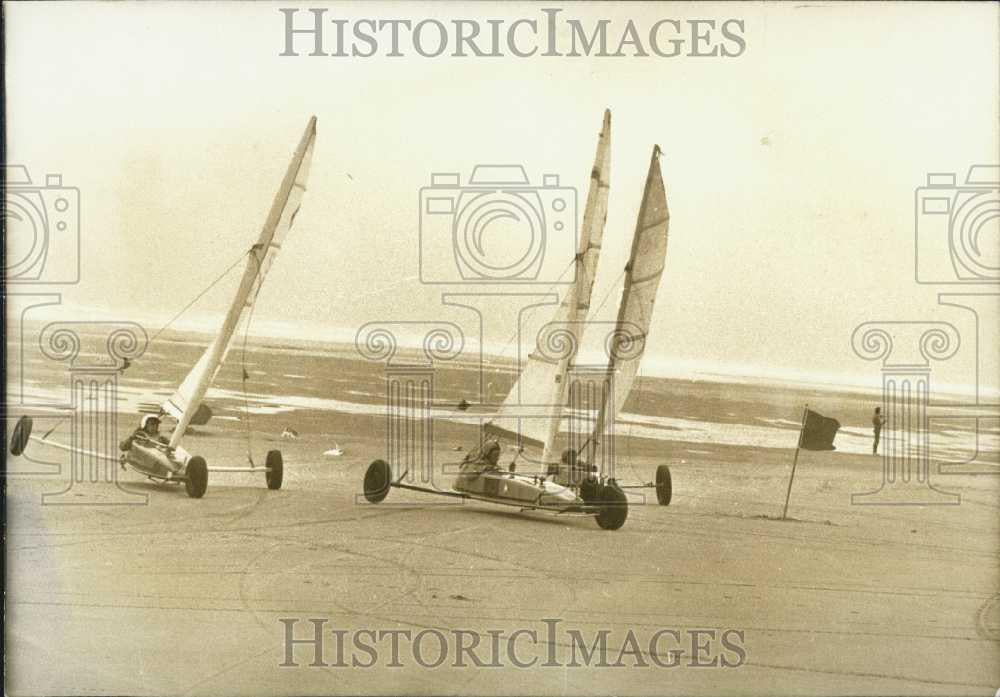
x: 184, y: 403
x: 577, y: 299
x: 635, y: 311
x: 532, y: 410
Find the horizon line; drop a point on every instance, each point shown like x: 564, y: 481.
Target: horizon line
x: 664, y: 366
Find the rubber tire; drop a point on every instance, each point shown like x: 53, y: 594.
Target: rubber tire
x: 589, y: 490
x: 275, y: 469
x: 614, y: 507
x: 664, y: 485
x: 377, y: 480
x: 196, y: 481
x: 22, y: 432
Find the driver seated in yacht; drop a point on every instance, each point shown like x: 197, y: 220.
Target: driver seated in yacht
x: 479, y: 461
x: 485, y: 458
x: 149, y: 430
x: 571, y: 470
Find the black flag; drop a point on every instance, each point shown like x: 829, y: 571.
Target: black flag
x: 818, y: 431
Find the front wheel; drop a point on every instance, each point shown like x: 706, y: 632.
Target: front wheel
x: 614, y: 507
x: 275, y: 469
x: 377, y: 480
x: 196, y: 480
x: 664, y: 486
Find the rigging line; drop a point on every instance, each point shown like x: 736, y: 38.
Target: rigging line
x: 532, y: 309
x: 378, y: 291
x: 607, y: 295
x: 243, y: 358
x: 631, y: 465
x: 198, y: 297
x: 594, y: 433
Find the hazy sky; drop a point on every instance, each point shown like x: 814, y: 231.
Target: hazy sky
x: 790, y: 169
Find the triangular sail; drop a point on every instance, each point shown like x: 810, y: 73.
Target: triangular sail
x: 533, y: 408
x: 642, y: 280
x: 184, y: 403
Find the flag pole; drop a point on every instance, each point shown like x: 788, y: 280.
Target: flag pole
x: 795, y: 461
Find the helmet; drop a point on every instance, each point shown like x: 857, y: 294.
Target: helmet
x: 149, y: 418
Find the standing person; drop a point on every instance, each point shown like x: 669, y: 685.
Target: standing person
x: 877, y: 421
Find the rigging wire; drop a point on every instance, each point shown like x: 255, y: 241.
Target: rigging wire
x: 198, y: 297
x: 246, y: 403
x: 612, y: 287
x: 243, y: 359
x: 354, y: 297
x: 531, y: 310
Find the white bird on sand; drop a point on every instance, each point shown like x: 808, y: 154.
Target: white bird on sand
x: 335, y: 451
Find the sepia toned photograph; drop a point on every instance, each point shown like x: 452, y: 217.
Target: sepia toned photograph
x: 477, y: 348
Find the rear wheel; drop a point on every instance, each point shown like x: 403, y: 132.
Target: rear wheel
x: 22, y: 432
x: 590, y: 489
x: 664, y: 487
x: 275, y: 469
x: 377, y: 480
x: 614, y: 507
x: 196, y: 481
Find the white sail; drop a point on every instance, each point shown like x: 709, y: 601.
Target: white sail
x: 184, y: 403
x: 533, y: 408
x: 642, y: 280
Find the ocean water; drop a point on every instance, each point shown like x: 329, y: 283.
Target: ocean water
x: 283, y: 382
